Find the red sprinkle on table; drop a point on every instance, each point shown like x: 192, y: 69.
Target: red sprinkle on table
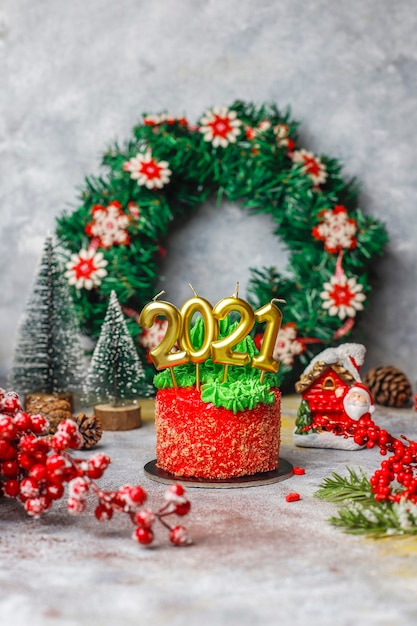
x: 293, y: 497
x: 298, y: 470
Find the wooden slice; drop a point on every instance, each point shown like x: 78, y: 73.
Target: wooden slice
x: 118, y: 417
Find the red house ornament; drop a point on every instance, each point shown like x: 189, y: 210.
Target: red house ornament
x: 332, y: 397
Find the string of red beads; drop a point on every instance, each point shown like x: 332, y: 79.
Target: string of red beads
x: 396, y: 477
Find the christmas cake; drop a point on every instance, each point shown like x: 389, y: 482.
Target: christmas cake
x: 222, y: 429
x: 196, y: 438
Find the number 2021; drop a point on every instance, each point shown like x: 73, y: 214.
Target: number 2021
x: 221, y: 350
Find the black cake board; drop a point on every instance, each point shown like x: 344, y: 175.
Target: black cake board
x: 283, y: 471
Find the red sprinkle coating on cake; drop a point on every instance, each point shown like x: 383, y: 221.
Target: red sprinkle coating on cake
x: 194, y: 438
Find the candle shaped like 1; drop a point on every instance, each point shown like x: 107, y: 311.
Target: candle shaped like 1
x: 162, y: 356
x: 272, y: 315
x: 222, y: 349
x: 197, y: 354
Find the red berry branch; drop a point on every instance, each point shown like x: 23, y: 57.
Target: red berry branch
x: 396, y: 478
x: 35, y: 467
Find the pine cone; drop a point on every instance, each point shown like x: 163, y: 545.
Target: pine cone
x: 54, y: 409
x: 90, y: 428
x: 389, y: 386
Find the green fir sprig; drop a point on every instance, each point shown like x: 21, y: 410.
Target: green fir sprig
x: 336, y: 488
x: 361, y: 513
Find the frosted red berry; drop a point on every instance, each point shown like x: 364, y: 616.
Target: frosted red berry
x: 8, y: 430
x: 183, y: 508
x: 55, y: 491
x: 11, y: 403
x: 7, y: 451
x: 68, y: 426
x: 28, y: 443
x: 38, y: 472
x: 132, y: 496
x: 9, y: 469
x: 175, y: 494
x: 78, y: 488
x: 145, y: 518
x: 29, y: 488
x: 179, y: 536
x: 61, y: 441
x: 97, y: 465
x: 40, y: 424
x: 37, y: 506
x: 22, y: 421
x: 143, y: 536
x: 75, y: 506
x: 11, y: 488
x: 103, y: 512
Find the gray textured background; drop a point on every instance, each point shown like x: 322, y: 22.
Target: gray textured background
x: 77, y: 75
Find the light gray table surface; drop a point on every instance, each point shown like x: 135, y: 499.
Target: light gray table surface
x: 255, y: 558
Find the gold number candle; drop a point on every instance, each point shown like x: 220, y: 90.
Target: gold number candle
x: 162, y: 356
x: 272, y: 315
x: 188, y: 310
x: 222, y: 349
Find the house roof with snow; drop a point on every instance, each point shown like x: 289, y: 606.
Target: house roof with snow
x: 345, y: 361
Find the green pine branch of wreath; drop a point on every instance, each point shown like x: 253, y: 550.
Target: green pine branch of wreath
x: 246, y: 154
x: 360, y: 513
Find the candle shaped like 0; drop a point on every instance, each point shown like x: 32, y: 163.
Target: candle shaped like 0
x: 188, y: 309
x: 272, y: 315
x: 161, y: 355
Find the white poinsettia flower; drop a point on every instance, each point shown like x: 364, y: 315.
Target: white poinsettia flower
x: 336, y: 229
x: 86, y: 269
x: 312, y: 165
x: 147, y: 171
x: 343, y: 296
x: 220, y: 126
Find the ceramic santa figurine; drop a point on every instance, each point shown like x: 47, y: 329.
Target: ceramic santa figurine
x: 358, y: 402
x: 332, y: 398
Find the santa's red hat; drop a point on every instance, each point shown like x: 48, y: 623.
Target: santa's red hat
x: 364, y: 390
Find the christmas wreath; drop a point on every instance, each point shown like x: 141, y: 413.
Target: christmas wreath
x: 244, y: 153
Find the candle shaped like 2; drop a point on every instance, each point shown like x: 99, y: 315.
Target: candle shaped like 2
x: 222, y: 349
x: 161, y: 355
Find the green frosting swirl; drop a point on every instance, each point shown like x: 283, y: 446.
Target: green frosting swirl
x: 242, y: 390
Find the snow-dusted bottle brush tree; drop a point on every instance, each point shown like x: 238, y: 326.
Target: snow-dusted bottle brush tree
x: 48, y: 354
x: 116, y: 378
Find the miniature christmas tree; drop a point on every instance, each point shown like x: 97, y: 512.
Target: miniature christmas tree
x: 303, y: 418
x: 48, y: 355
x: 116, y: 375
